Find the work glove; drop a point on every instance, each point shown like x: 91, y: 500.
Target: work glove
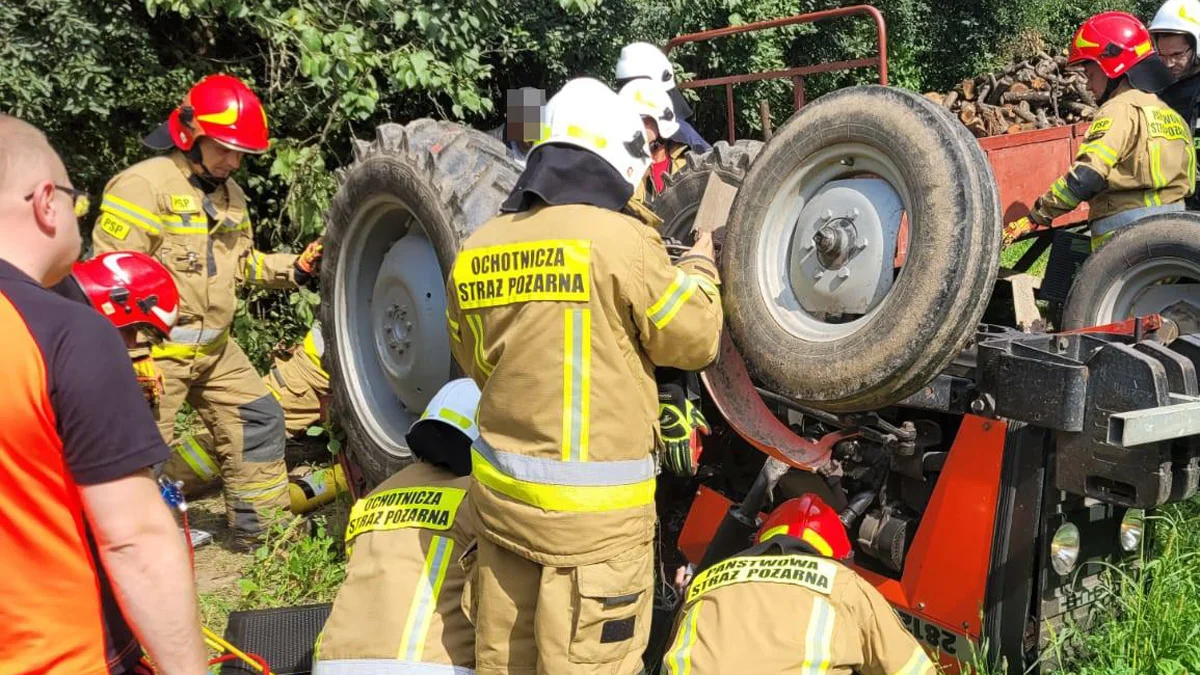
x: 308, y: 263
x: 682, y: 424
x: 150, y: 379
x: 1015, y: 229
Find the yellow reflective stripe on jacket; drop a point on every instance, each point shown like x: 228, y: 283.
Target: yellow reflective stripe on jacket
x: 197, y: 458
x: 179, y: 352
x: 253, y: 268
x: 706, y: 285
x: 672, y: 300
x: 564, y: 486
x: 818, y: 641
x: 1152, y: 198
x: 475, y: 323
x: 175, y: 225
x: 131, y: 213
x: 1156, y: 174
x: 918, y: 664
x: 577, y: 383
x: 1064, y: 194
x: 1105, y: 153
x: 679, y: 660
x: 424, y: 602
x: 454, y: 327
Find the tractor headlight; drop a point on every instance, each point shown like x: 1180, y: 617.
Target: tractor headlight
x: 1064, y: 549
x: 1133, y: 526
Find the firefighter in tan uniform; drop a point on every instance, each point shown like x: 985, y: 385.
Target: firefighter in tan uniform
x: 560, y: 309
x: 667, y: 156
x: 184, y: 210
x: 402, y: 609
x: 1137, y: 158
x: 297, y: 379
x: 787, y: 606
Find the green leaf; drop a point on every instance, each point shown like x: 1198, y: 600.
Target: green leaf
x: 400, y: 19
x: 314, y: 431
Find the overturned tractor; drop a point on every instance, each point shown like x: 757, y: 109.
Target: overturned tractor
x: 985, y: 474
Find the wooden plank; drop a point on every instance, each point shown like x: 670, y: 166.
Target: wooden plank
x: 714, y: 207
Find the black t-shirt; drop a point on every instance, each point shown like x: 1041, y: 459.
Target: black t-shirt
x: 1184, y: 98
x: 107, y: 430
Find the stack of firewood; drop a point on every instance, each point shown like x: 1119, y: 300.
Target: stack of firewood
x: 1034, y: 93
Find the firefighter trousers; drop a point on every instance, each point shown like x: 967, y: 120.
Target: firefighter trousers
x: 244, y: 420
x: 538, y: 620
x: 295, y: 380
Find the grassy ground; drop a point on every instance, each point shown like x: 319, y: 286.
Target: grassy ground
x: 1010, y: 255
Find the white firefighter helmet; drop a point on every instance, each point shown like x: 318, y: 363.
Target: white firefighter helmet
x: 455, y: 404
x: 642, y: 59
x: 587, y: 114
x: 1180, y: 17
x: 652, y: 101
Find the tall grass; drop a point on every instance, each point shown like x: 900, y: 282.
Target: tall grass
x: 1149, y: 615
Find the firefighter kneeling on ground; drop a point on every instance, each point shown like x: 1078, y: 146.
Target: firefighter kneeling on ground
x: 1137, y: 159
x: 184, y: 209
x: 560, y: 309
x: 297, y: 379
x: 788, y: 605
x: 402, y: 608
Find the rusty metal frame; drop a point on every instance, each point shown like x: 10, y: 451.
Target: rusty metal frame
x: 797, y: 75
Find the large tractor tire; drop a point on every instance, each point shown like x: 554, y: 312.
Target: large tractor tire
x: 861, y: 249
x: 392, y: 231
x: 682, y: 191
x: 1150, y: 267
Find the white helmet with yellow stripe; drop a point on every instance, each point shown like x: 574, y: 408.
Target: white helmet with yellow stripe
x: 454, y: 404
x: 652, y: 101
x: 587, y: 114
x: 1180, y: 17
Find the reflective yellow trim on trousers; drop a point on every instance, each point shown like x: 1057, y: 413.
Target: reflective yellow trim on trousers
x: 672, y: 300
x: 475, y: 323
x: 310, y: 349
x: 818, y: 641
x: 260, y: 491
x: 577, y: 383
x: 182, y: 352
x: 197, y: 458
x: 577, y: 498
x: 679, y: 660
x: 918, y: 664
x: 424, y: 602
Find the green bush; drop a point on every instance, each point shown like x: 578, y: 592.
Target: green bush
x: 98, y: 74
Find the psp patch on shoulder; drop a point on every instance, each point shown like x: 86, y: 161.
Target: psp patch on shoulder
x: 113, y: 227
x: 1099, y: 127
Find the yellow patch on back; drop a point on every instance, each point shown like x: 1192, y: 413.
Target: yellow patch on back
x: 113, y: 227
x: 1165, y: 123
x: 552, y: 270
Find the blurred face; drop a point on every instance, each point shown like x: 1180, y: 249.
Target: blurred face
x: 218, y: 159
x: 524, y: 113
x: 1177, y: 53
x: 1096, y: 79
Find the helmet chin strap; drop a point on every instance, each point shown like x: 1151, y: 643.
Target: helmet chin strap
x: 207, y: 181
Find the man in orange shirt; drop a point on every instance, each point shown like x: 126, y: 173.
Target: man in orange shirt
x: 75, y: 452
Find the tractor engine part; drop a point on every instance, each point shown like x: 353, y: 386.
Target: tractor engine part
x: 885, y: 536
x: 741, y: 521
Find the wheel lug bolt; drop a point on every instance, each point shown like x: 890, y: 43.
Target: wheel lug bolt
x: 844, y: 273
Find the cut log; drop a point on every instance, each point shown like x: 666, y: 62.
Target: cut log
x: 968, y: 90
x: 935, y: 97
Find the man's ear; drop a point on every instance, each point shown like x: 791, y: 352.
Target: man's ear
x: 44, y: 207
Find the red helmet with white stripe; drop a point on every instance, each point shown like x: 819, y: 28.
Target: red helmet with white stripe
x: 811, y: 520
x: 131, y: 289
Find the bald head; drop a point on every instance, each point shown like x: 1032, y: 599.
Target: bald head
x: 26, y: 156
x: 39, y: 233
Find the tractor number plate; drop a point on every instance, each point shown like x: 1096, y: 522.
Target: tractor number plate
x: 936, y: 638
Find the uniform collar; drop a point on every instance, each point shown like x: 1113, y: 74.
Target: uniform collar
x: 185, y: 167
x: 562, y: 174
x: 11, y: 273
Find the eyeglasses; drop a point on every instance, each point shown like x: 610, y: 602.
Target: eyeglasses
x: 80, y: 200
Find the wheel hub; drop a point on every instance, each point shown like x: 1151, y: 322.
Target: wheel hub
x: 397, y: 328
x: 843, y: 246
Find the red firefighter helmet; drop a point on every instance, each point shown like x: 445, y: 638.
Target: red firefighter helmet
x: 131, y: 289
x: 811, y: 520
x: 220, y: 107
x: 1121, y: 45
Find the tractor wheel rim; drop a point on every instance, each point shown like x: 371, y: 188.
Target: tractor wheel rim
x: 793, y: 269
x: 390, y: 306
x: 1142, y: 289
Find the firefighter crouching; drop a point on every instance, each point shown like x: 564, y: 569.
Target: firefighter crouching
x: 402, y: 608
x: 1137, y: 158
x: 296, y: 379
x: 183, y: 209
x: 560, y: 308
x: 787, y: 605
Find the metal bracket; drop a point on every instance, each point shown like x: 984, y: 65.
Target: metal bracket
x: 1139, y: 427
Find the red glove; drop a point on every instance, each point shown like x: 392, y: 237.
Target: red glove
x: 149, y: 377
x: 309, y: 261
